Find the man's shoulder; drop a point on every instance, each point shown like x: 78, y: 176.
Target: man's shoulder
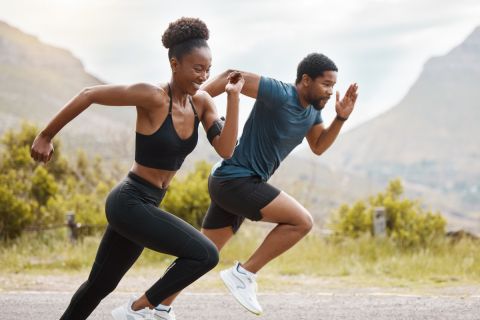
x: 280, y: 89
x: 280, y: 83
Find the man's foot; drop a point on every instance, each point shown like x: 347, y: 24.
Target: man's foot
x: 243, y: 285
x: 125, y: 312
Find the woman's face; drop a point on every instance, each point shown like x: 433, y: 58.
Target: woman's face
x: 192, y: 69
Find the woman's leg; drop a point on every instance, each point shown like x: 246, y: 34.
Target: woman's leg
x: 163, y: 232
x: 116, y: 254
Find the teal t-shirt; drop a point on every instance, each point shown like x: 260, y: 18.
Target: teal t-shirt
x: 276, y: 125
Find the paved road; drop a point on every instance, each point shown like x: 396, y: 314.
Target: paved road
x: 47, y: 305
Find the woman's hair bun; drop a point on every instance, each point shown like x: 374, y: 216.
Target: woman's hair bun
x: 184, y: 29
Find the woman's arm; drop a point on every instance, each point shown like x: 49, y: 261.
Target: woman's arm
x: 140, y: 95
x: 223, y: 137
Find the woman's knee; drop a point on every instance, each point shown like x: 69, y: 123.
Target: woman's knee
x: 211, y: 258
x: 202, y: 252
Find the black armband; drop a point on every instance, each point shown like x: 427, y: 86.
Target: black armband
x: 340, y: 118
x: 215, y: 129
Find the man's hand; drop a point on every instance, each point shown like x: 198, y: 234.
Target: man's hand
x: 345, y: 106
x: 235, y: 83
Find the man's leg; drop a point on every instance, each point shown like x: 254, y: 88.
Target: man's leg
x: 219, y: 236
x: 293, y: 223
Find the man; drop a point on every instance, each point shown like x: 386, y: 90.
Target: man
x: 282, y: 116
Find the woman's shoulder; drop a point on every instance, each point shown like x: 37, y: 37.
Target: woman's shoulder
x: 202, y: 100
x: 155, y: 92
x: 151, y: 95
x: 151, y: 89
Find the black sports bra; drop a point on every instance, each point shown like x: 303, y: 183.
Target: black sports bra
x: 164, y: 149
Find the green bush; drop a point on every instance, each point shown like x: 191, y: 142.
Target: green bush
x: 188, y: 198
x: 408, y: 225
x: 38, y: 196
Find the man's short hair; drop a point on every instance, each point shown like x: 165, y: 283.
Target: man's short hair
x: 314, y: 65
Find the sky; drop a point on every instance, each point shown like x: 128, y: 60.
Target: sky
x: 380, y: 44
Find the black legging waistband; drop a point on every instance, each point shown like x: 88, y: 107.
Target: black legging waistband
x: 145, y: 186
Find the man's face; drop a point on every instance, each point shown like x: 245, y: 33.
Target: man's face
x: 321, y: 89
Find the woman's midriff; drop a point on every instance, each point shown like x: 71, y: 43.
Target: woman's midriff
x: 158, y: 177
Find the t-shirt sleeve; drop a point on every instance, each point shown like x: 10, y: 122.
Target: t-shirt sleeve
x: 318, y: 117
x: 272, y: 92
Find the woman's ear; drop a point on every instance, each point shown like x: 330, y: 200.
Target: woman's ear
x: 174, y: 64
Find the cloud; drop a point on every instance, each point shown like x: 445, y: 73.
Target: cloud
x: 381, y: 44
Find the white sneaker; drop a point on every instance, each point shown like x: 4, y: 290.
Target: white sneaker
x: 159, y: 314
x: 125, y: 312
x: 243, y: 286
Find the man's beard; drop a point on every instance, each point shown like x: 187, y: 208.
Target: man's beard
x: 319, y: 104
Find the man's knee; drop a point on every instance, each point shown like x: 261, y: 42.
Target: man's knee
x: 306, y: 223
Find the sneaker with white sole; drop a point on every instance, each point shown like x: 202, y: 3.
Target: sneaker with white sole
x: 125, y: 312
x: 163, y: 313
x: 243, y: 285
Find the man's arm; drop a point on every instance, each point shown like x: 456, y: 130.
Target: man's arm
x: 216, y: 85
x: 320, y: 138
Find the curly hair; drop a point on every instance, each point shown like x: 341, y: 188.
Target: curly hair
x: 183, y: 35
x: 314, y: 65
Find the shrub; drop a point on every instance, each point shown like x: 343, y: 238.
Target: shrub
x: 408, y: 225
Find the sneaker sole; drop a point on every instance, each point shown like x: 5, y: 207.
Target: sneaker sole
x: 230, y: 288
x: 118, y: 314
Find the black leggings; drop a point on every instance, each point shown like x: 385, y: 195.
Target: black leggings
x: 135, y: 222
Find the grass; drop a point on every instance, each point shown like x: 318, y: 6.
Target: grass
x: 364, y: 261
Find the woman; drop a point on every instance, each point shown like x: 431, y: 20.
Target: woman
x: 166, y: 132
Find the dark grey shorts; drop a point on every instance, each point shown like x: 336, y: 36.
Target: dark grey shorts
x: 233, y: 200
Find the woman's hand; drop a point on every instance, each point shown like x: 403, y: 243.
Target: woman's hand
x: 235, y: 83
x: 42, y: 149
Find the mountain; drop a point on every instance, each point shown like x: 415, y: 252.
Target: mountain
x: 430, y: 138
x: 38, y: 79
